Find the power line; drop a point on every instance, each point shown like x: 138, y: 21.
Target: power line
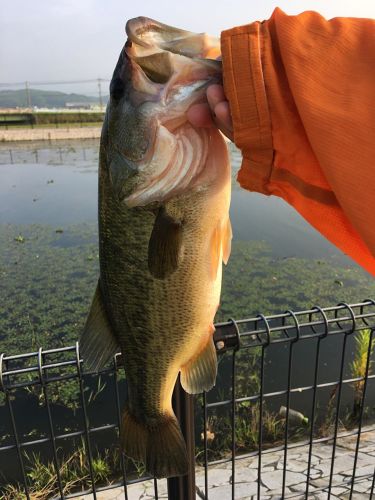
x: 31, y: 99
x: 51, y: 82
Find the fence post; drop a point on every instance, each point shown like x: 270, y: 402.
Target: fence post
x: 183, y: 487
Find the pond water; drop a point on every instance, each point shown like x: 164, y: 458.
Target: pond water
x: 49, y: 263
x: 48, y: 216
x: 57, y: 185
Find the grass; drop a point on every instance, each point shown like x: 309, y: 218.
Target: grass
x: 364, y: 349
x: 74, y: 472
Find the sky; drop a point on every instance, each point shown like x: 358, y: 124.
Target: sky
x: 65, y: 40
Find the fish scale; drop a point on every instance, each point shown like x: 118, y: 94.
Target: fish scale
x: 162, y: 238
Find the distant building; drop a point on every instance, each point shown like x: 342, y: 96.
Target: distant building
x: 79, y: 105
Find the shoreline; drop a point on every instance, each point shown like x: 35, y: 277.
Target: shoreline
x: 49, y: 134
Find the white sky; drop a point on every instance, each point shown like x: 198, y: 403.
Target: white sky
x: 81, y: 39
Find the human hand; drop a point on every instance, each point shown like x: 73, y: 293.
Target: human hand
x: 213, y: 113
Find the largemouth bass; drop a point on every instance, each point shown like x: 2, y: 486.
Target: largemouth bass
x: 164, y: 230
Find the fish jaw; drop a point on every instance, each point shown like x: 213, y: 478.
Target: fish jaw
x: 149, y: 34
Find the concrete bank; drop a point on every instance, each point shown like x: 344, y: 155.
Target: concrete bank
x: 220, y: 476
x: 49, y: 133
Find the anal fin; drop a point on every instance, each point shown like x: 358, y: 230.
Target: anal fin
x: 200, y: 373
x: 98, y: 343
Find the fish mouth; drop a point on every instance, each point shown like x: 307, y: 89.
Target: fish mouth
x: 153, y: 50
x: 147, y: 32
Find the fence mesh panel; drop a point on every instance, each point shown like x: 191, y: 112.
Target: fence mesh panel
x: 291, y: 415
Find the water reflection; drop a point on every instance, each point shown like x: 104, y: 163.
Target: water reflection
x: 28, y: 195
x: 50, y: 153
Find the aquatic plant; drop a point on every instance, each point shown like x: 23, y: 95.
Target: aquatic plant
x: 328, y: 413
x: 48, y: 281
x: 364, y: 348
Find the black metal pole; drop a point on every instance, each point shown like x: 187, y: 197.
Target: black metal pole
x: 183, y: 487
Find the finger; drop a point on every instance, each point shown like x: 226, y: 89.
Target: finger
x: 215, y: 94
x: 199, y: 115
x: 223, y: 115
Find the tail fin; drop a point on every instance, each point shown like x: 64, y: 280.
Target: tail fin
x: 160, y: 446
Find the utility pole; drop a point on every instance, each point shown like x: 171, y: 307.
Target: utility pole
x: 28, y: 96
x: 100, y: 94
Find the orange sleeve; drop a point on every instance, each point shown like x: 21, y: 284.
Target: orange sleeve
x: 302, y: 95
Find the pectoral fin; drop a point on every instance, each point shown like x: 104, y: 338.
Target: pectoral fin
x: 164, y: 247
x: 227, y: 241
x: 200, y: 373
x: 220, y: 245
x: 215, y: 251
x: 98, y: 343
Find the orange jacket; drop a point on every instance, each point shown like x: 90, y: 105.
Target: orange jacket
x: 302, y: 96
